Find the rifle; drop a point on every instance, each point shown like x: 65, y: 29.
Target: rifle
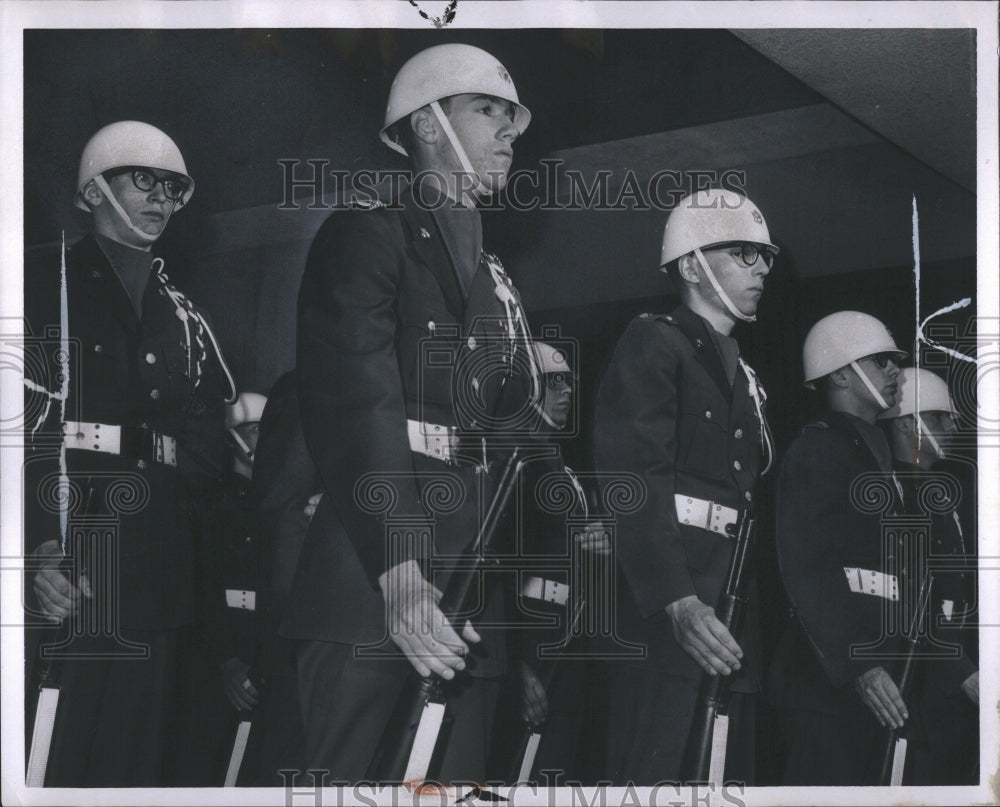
x: 531, y: 736
x: 705, y: 754
x: 894, y: 759
x: 423, y: 706
x: 242, y: 737
x: 48, y: 686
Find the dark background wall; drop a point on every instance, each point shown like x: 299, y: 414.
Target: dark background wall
x: 834, y: 133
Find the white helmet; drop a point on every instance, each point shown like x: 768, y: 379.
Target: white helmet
x: 839, y: 339
x: 129, y: 142
x: 248, y: 408
x: 550, y: 359
x: 710, y: 217
x: 920, y: 390
x: 443, y: 71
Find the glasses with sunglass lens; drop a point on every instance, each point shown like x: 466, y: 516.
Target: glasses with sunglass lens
x: 145, y: 180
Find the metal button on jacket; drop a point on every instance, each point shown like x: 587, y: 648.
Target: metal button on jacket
x: 154, y: 394
x: 150, y: 358
x: 737, y: 465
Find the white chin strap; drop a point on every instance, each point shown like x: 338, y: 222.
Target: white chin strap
x: 922, y: 430
x: 871, y: 387
x: 99, y: 181
x: 480, y: 189
x: 730, y: 306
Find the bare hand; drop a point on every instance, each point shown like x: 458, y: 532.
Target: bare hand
x: 312, y: 504
x: 970, y: 686
x: 703, y: 636
x: 56, y: 594
x: 418, y: 627
x: 595, y: 538
x: 236, y: 683
x: 535, y: 703
x: 880, y: 694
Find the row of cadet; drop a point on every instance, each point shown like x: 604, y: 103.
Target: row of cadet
x: 328, y: 560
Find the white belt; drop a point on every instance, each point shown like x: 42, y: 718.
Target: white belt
x: 439, y: 442
x: 705, y: 514
x: 107, y: 439
x: 868, y: 581
x: 246, y: 600
x: 537, y: 588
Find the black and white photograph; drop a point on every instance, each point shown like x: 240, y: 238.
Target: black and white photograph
x: 499, y: 402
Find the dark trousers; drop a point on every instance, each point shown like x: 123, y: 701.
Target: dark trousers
x: 832, y: 749
x: 650, y: 720
x: 348, y: 702
x: 111, y: 724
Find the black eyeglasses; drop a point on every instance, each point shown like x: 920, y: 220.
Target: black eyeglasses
x: 145, y: 180
x: 881, y: 360
x: 747, y: 253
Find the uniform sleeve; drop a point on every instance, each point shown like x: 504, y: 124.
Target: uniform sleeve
x: 351, y: 391
x: 635, y: 431
x: 814, y: 519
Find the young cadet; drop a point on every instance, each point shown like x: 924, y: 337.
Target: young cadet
x: 388, y: 291
x: 830, y: 549
x: 128, y: 389
x: 920, y: 428
x: 679, y: 407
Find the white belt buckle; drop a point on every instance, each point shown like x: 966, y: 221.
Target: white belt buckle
x: 704, y: 514
x: 538, y: 588
x: 100, y: 437
x: 431, y: 439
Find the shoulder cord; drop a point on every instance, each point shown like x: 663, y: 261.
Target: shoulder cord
x: 517, y: 328
x: 759, y: 399
x: 186, y: 312
x: 580, y: 495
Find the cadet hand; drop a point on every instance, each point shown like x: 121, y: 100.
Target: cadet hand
x: 312, y: 504
x: 595, y: 538
x: 240, y: 691
x: 56, y: 594
x: 703, y: 636
x: 418, y: 627
x: 880, y: 694
x: 970, y: 686
x: 535, y: 703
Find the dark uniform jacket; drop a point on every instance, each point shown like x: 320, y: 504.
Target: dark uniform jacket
x: 667, y: 412
x: 829, y: 521
x: 130, y: 373
x: 384, y: 335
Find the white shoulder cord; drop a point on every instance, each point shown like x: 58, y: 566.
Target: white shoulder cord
x: 186, y: 312
x: 517, y: 328
x: 759, y: 399
x: 581, y: 496
x: 63, y: 395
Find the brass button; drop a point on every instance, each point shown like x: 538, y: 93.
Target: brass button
x: 738, y: 434
x: 154, y: 394
x: 98, y: 348
x: 748, y: 496
x: 737, y: 465
x: 708, y: 414
x: 150, y: 358
x: 141, y: 465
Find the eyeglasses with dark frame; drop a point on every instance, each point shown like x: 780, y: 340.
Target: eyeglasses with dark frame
x: 747, y: 252
x: 145, y: 180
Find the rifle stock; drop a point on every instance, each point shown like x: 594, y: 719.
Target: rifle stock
x: 894, y: 758
x: 713, y: 690
x: 402, y: 755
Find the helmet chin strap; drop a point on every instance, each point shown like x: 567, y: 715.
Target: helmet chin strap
x: 109, y: 195
x: 456, y: 144
x: 922, y: 428
x: 871, y: 387
x: 730, y: 306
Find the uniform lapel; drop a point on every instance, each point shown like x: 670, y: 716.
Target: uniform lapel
x: 100, y: 284
x: 704, y: 348
x: 429, y: 248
